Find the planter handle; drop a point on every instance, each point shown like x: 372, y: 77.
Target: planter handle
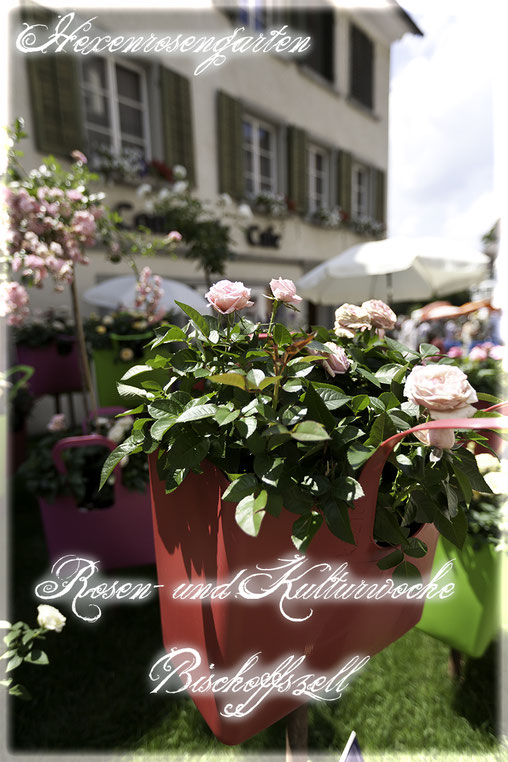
x: 85, y: 441
x: 371, y: 474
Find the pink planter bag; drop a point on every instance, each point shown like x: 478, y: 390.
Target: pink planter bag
x: 117, y: 536
x: 55, y: 373
x: 197, y: 541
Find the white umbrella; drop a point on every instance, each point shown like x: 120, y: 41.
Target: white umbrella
x: 120, y: 292
x: 395, y: 269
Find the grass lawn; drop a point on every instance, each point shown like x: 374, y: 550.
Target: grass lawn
x: 94, y: 694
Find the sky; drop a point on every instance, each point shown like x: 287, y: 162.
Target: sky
x: 441, y: 172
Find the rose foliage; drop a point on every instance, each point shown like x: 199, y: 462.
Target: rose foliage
x: 291, y: 418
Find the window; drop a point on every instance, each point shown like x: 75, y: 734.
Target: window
x: 318, y: 178
x: 251, y: 14
x: 259, y: 152
x: 115, y: 105
x: 361, y: 205
x: 361, y: 72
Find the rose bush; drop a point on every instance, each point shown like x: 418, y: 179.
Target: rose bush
x: 292, y: 436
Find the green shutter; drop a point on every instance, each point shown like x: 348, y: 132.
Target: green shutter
x: 380, y: 203
x: 177, y: 121
x: 230, y: 145
x: 297, y: 168
x: 344, y: 171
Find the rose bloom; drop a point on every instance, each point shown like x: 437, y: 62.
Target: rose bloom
x: 227, y: 297
x: 57, y: 423
x: 174, y: 236
x: 284, y: 290
x: 50, y: 618
x: 455, y: 352
x: 381, y: 316
x: 478, y: 353
x: 443, y: 439
x: 337, y: 361
x: 443, y: 389
x: 78, y: 156
x: 350, y: 318
x: 497, y: 352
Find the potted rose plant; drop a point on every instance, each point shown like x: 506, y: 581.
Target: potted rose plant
x: 113, y: 526
x: 333, y: 443
x: 469, y: 620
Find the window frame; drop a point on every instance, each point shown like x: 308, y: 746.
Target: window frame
x: 257, y: 123
x: 356, y: 212
x: 313, y: 150
x: 114, y: 100
x: 354, y: 29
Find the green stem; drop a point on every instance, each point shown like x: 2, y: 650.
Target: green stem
x: 272, y: 316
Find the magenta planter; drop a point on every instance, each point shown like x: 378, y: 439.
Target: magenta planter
x: 56, y: 366
x: 117, y: 536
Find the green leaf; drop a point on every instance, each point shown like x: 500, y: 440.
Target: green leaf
x: 387, y: 529
x: 392, y: 559
x: 309, y: 431
x: 230, y: 379
x: 281, y: 335
x: 464, y: 460
x: 415, y: 548
x: 454, y: 530
x: 406, y: 571
x: 161, y: 425
x: 246, y: 426
x: 196, y: 413
x: 337, y: 519
x: 130, y: 445
x: 224, y: 416
x: 346, y: 488
x: 198, y: 319
x: 36, y: 656
x: 387, y: 373
x: 245, y: 485
x: 20, y: 691
x: 358, y: 454
x: 304, y: 529
x: 427, y: 350
x: 189, y: 450
x: 488, y: 398
x: 368, y: 375
x: 333, y: 398
x: 124, y: 390
x: 14, y: 662
x: 250, y: 513
x: 382, y: 429
x: 173, y: 334
x: 317, y: 409
x: 403, y: 350
x: 135, y: 371
x: 464, y: 483
x: 254, y: 377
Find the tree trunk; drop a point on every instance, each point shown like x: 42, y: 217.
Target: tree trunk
x: 83, y: 355
x: 297, y: 731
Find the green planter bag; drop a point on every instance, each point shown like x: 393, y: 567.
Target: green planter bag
x: 469, y: 620
x: 110, y: 366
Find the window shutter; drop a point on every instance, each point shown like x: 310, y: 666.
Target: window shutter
x: 53, y: 82
x: 380, y: 198
x: 297, y: 168
x: 344, y: 170
x: 230, y: 145
x: 176, y: 108
x: 361, y: 72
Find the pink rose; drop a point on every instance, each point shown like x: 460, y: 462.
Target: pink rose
x: 57, y: 423
x: 227, y: 297
x: 478, y: 353
x: 497, y: 352
x: 443, y: 439
x: 13, y: 302
x: 350, y: 318
x: 455, y: 352
x: 78, y: 156
x: 381, y: 316
x: 337, y: 361
x: 174, y: 236
x: 443, y: 389
x: 284, y: 290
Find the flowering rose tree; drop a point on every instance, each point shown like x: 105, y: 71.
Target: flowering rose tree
x: 291, y: 418
x: 53, y: 217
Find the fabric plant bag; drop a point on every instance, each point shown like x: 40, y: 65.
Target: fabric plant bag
x: 198, y: 541
x: 56, y: 366
x: 469, y: 620
x: 116, y: 536
x: 109, y: 367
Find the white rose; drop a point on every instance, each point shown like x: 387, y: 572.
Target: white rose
x: 116, y: 433
x: 50, y: 618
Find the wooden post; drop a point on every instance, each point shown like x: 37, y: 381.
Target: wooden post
x: 297, y: 734
x: 83, y: 355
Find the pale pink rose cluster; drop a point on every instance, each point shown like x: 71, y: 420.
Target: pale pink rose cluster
x: 485, y: 351
x: 349, y: 318
x: 149, y: 292
x: 284, y: 290
x: 227, y: 296
x: 337, y: 361
x: 445, y: 392
x: 13, y: 302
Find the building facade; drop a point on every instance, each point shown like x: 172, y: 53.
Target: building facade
x: 306, y: 135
